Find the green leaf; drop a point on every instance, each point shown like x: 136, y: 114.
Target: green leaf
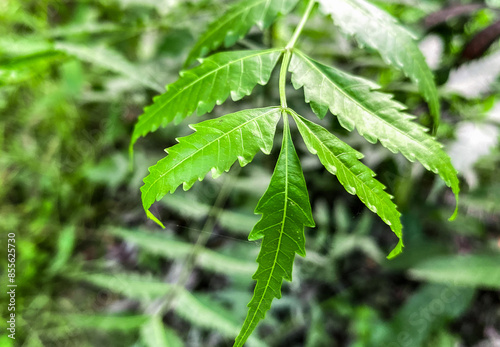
x: 470, y: 270
x: 342, y: 160
x: 215, y: 146
x: 110, y: 60
x: 285, y: 212
x: 142, y: 288
x: 426, y: 311
x: 65, y: 246
x: 194, y: 308
x: 172, y: 249
x: 23, y: 68
x: 375, y: 115
x: 155, y: 334
x: 375, y: 28
x: 105, y: 322
x: 199, y: 89
x: 236, y: 23
x: 235, y: 222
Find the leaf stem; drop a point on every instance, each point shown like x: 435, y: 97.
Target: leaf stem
x: 282, y: 84
x: 288, y: 53
x: 286, y: 126
x: 298, y: 29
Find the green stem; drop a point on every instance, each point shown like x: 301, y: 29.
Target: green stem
x: 299, y: 28
x: 282, y: 85
x: 285, y: 122
x: 288, y: 53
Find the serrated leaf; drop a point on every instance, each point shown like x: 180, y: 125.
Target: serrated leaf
x: 285, y: 212
x: 377, y: 29
x: 342, y: 160
x: 199, y: 89
x: 236, y: 22
x: 215, y: 146
x: 375, y: 115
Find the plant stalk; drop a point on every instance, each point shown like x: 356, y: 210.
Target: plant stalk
x: 282, y: 84
x: 288, y: 53
x: 298, y: 29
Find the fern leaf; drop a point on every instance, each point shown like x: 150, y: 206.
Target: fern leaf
x: 375, y: 115
x: 236, y: 23
x: 342, y: 160
x: 235, y: 222
x: 155, y: 334
x: 103, y: 322
x: 377, y: 29
x: 285, y: 211
x: 209, y: 315
x: 207, y: 259
x: 199, y: 89
x: 109, y: 59
x: 215, y: 146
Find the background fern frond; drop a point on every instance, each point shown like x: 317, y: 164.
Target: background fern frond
x: 173, y: 249
x: 111, y: 60
x: 192, y: 307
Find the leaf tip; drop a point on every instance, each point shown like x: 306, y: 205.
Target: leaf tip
x: 152, y: 216
x: 397, y: 250
x: 455, y: 213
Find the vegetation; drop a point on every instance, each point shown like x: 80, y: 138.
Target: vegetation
x: 92, y: 271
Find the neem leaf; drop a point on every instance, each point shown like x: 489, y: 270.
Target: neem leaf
x: 342, y: 161
x: 285, y: 212
x: 236, y: 22
x: 215, y: 146
x: 375, y: 28
x: 199, y: 89
x: 375, y: 115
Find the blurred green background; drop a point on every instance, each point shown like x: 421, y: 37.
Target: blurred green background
x: 93, y: 271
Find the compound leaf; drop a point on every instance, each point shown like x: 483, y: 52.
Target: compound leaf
x: 199, y: 89
x: 378, y: 30
x: 215, y: 146
x: 342, y: 160
x: 375, y: 115
x: 236, y: 23
x: 285, y: 212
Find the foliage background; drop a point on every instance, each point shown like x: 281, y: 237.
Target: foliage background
x: 92, y: 271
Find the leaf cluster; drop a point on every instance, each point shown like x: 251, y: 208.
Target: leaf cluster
x: 218, y: 143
